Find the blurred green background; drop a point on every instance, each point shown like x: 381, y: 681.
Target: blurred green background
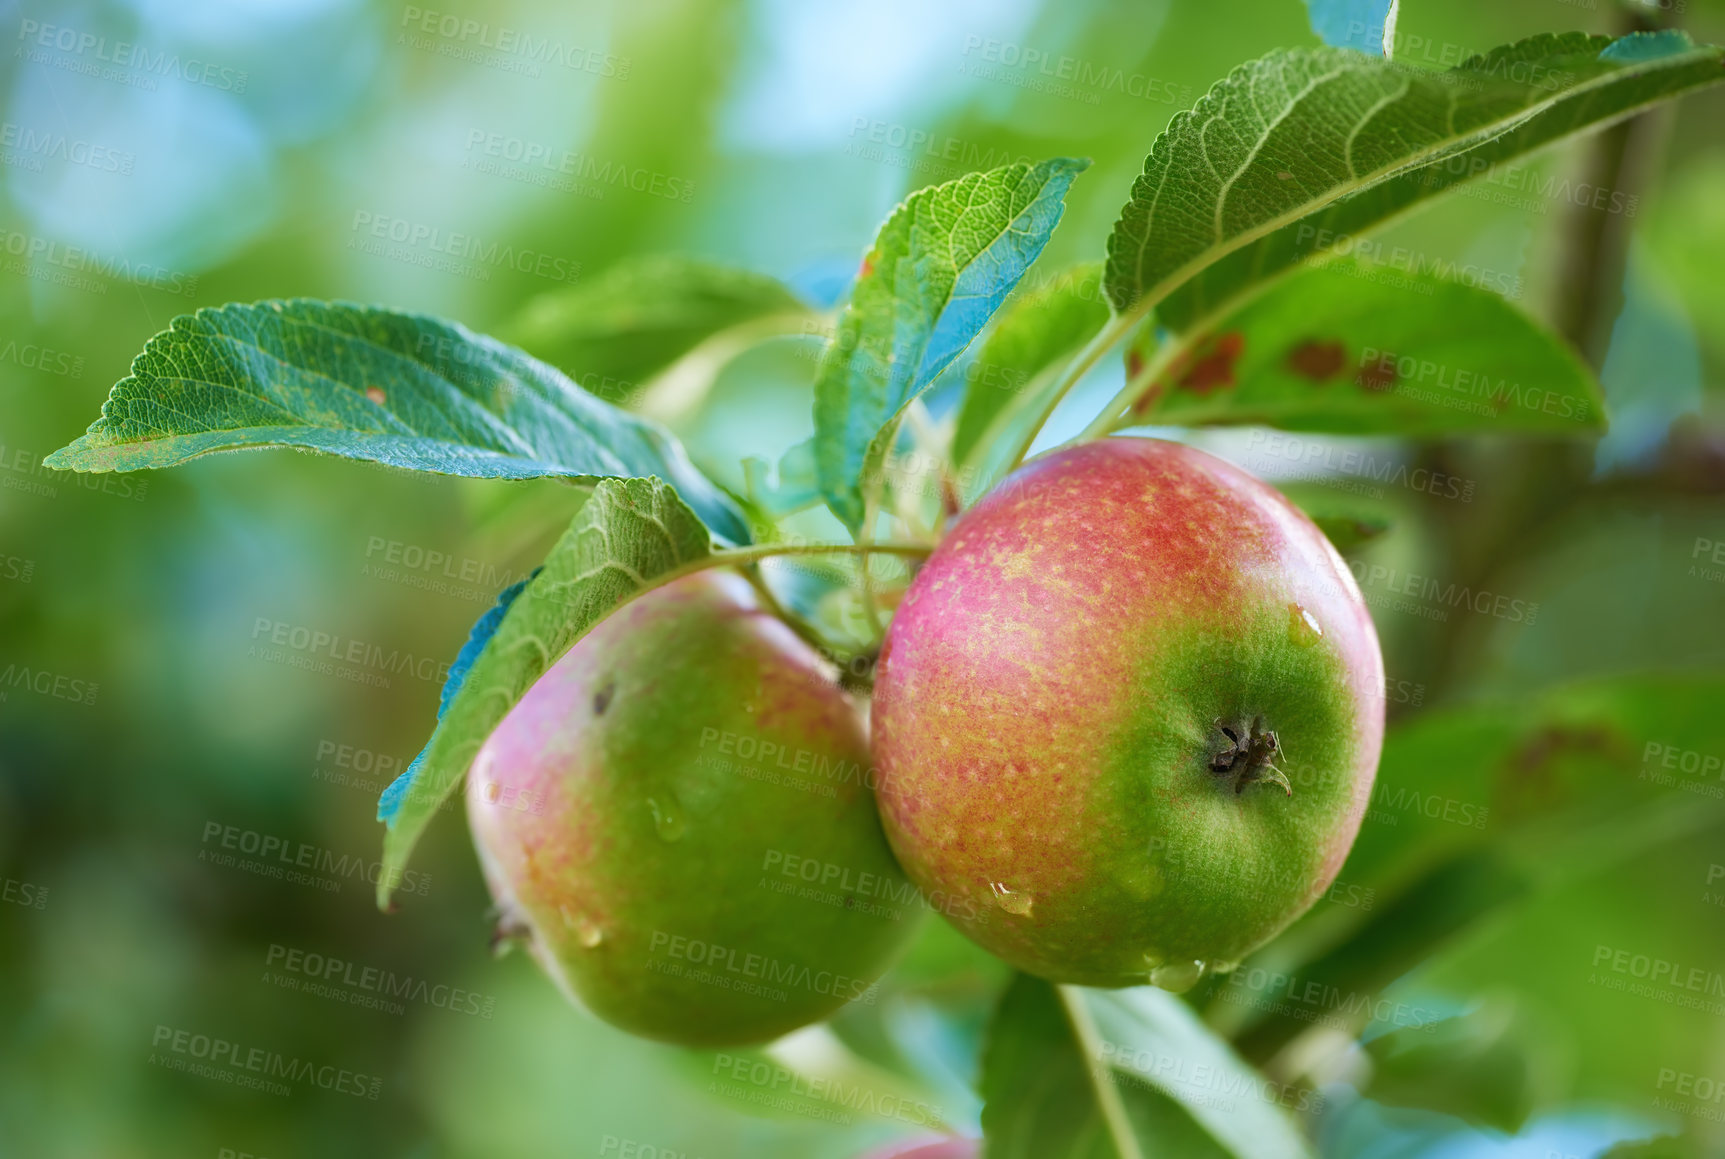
x: 139, y: 722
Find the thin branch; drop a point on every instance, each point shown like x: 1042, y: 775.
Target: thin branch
x: 1117, y: 327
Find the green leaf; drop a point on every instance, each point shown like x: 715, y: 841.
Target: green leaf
x: 1346, y: 519
x: 939, y: 268
x: 1298, y: 151
x: 1129, y: 1074
x: 387, y: 386
x: 1358, y: 348
x: 615, y: 332
x: 1490, y: 1067
x: 628, y: 537
x: 784, y: 487
x: 1028, y: 342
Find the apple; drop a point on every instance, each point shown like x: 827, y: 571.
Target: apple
x: 1130, y: 709
x: 679, y: 820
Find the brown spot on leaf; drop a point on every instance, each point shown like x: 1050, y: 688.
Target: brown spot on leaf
x: 1318, y: 361
x: 1284, y: 175
x: 1531, y: 782
x: 1134, y: 364
x: 1209, y: 365
x: 867, y: 265
x: 1378, y: 376
x: 375, y: 394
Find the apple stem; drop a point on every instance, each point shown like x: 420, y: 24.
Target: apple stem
x: 1117, y: 327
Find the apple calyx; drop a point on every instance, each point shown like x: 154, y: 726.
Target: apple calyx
x: 1248, y: 755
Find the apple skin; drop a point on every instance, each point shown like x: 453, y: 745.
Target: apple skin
x: 1044, y: 715
x: 633, y: 832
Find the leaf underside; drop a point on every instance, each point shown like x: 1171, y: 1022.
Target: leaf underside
x: 939, y: 268
x: 628, y: 534
x: 615, y: 332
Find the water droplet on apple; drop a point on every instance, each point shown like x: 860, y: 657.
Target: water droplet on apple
x: 587, y: 931
x: 1303, y: 627
x: 668, y: 818
x: 1011, y: 901
x: 1177, y: 977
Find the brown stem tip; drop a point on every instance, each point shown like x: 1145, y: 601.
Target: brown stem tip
x: 1248, y: 755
